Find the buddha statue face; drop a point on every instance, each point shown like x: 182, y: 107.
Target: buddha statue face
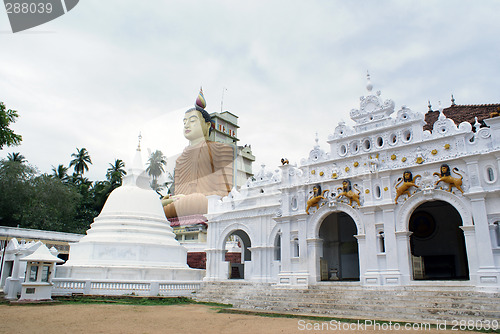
x: 196, y: 129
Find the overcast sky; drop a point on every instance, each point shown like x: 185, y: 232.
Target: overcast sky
x: 108, y: 70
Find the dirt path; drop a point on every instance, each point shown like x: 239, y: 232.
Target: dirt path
x: 192, y: 319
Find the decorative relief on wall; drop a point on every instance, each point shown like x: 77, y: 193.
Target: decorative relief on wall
x: 313, y: 201
x: 405, y: 185
x: 445, y: 176
x: 346, y: 192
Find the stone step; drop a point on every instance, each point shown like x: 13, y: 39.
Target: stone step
x: 492, y: 305
x: 379, y: 298
x: 353, y: 301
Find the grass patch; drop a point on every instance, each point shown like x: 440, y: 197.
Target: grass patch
x: 133, y: 300
x: 124, y: 300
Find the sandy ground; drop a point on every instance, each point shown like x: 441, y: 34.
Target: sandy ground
x: 105, y: 318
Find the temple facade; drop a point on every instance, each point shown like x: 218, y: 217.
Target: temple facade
x: 400, y: 198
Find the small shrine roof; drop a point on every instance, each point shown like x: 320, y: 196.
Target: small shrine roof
x: 42, y: 254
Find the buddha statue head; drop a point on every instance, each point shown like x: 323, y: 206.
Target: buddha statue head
x: 197, y: 122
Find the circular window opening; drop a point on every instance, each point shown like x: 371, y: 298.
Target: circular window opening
x: 367, y: 145
x: 407, y: 136
x: 380, y: 141
x: 394, y: 138
x: 343, y: 150
x: 355, y: 147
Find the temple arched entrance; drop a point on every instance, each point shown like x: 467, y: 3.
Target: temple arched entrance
x: 340, y: 260
x: 237, y: 246
x: 437, y: 243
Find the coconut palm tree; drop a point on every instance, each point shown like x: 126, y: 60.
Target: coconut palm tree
x: 81, y: 158
x: 17, y: 157
x: 115, y: 172
x: 156, y: 166
x: 60, y: 173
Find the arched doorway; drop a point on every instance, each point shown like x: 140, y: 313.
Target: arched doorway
x: 237, y: 244
x: 437, y: 243
x: 340, y: 260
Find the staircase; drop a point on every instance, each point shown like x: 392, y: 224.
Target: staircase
x: 351, y: 301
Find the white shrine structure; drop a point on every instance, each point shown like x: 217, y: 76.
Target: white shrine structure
x: 129, y: 249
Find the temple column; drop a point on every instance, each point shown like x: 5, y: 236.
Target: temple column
x: 315, y: 252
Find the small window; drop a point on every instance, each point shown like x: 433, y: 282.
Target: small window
x: 354, y: 147
x: 45, y: 273
x: 381, y: 242
x: 277, y: 247
x: 378, y: 193
x: 407, y: 136
x: 490, y: 175
x: 380, y: 141
x: 343, y: 150
x: 367, y: 144
x: 496, y: 230
x: 394, y: 138
x: 33, y: 275
x: 295, y: 246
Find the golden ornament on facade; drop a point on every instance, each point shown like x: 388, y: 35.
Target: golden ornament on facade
x: 367, y: 191
x: 356, y: 164
x: 434, y: 152
x: 447, y: 146
x: 419, y: 160
x: 393, y: 157
x: 385, y: 188
x: 347, y: 169
x: 313, y: 172
x: 321, y: 173
x: 334, y: 175
x: 404, y: 159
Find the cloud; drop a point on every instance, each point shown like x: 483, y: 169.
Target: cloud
x: 106, y: 71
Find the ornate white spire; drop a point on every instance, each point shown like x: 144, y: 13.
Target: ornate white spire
x: 369, y: 85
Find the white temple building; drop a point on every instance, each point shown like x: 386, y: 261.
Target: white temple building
x: 442, y: 228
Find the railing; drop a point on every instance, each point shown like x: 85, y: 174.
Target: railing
x: 64, y: 286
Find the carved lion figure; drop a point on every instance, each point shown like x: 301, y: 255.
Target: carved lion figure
x: 408, y: 181
x: 445, y: 176
x: 317, y: 196
x: 347, y: 192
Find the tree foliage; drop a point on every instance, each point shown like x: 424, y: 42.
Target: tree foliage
x: 156, y: 167
x: 80, y: 161
x: 56, y: 202
x: 7, y: 136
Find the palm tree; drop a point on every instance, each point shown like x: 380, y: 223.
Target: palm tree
x: 116, y: 172
x: 156, y: 166
x: 17, y: 157
x: 81, y: 158
x: 60, y: 173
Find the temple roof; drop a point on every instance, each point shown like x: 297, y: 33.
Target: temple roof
x: 462, y: 113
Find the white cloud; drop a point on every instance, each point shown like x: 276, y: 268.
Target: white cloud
x: 106, y: 70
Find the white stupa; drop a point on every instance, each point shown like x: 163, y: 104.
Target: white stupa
x: 131, y: 239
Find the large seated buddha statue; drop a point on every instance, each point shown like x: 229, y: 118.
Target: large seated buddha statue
x: 204, y: 168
